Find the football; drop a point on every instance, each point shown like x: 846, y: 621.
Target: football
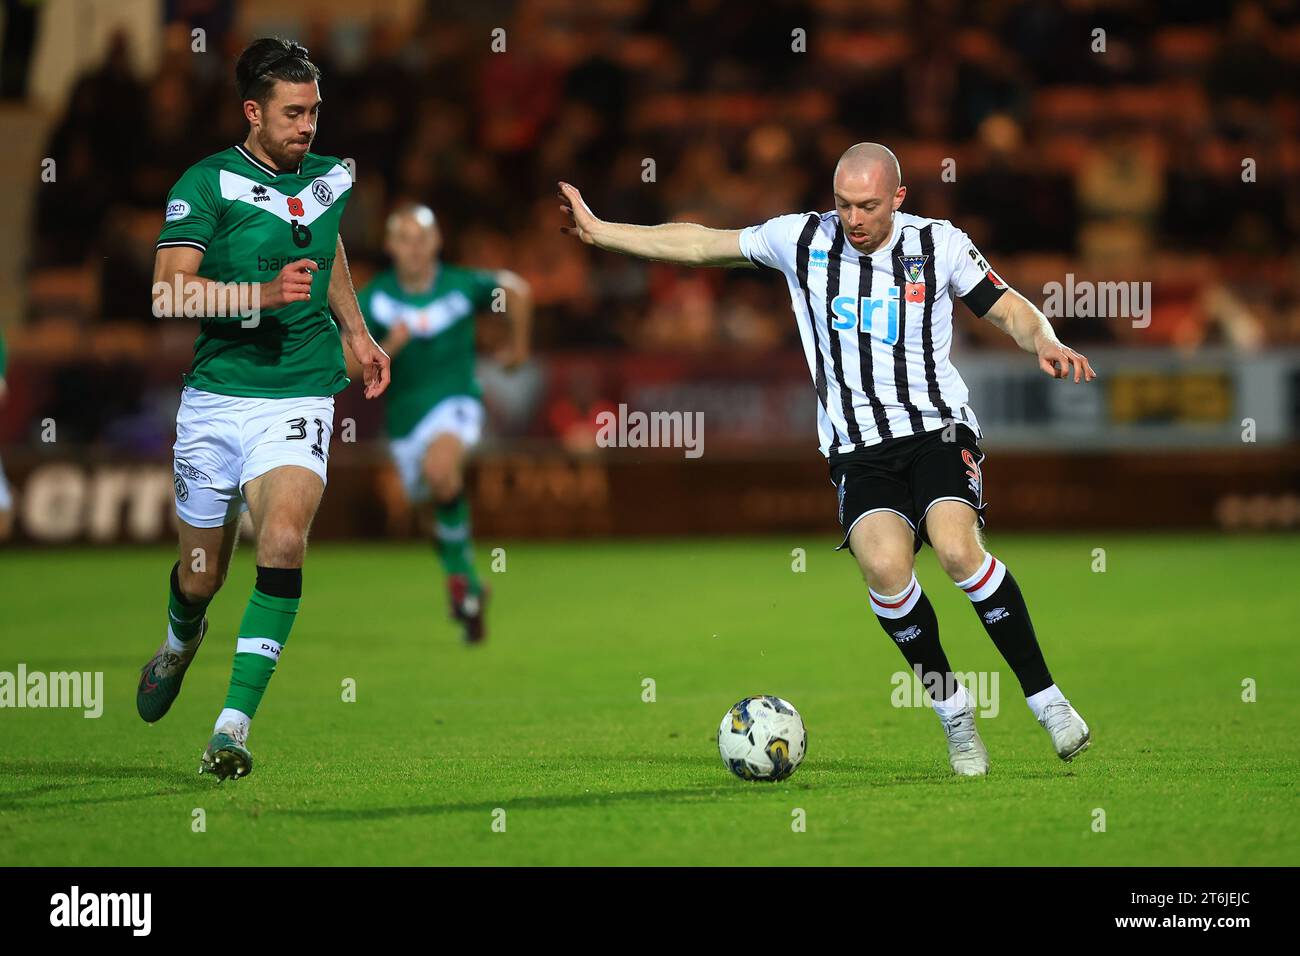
x: 762, y: 738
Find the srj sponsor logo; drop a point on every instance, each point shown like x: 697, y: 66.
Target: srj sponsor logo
x: 79, y: 689
x: 624, y: 429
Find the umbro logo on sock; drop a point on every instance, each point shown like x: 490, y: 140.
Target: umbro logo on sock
x: 907, y: 633
x: 995, y: 615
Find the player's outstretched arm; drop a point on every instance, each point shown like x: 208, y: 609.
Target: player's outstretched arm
x: 1020, y: 319
x: 683, y: 243
x: 342, y: 299
x: 519, y: 313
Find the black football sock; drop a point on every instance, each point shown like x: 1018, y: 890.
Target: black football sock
x: 908, y: 617
x: 1000, y: 605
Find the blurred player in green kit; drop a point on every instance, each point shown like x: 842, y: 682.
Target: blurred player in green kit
x: 421, y: 311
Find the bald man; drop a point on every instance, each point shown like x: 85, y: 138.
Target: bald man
x: 872, y: 290
x: 423, y: 311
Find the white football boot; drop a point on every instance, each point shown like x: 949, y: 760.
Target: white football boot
x: 1070, y: 735
x: 966, y: 751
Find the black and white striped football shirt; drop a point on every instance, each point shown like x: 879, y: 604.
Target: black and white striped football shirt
x: 877, y: 330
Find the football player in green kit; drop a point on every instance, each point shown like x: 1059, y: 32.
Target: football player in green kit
x: 257, y: 409
x: 422, y: 311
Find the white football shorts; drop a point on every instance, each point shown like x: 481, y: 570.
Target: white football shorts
x: 225, y: 441
x: 459, y: 415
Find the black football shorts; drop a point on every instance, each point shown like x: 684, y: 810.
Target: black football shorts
x: 907, y: 476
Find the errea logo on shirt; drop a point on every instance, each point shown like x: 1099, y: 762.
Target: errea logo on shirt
x: 177, y: 209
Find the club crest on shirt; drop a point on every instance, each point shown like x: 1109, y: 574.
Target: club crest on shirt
x: 914, y: 273
x: 914, y: 267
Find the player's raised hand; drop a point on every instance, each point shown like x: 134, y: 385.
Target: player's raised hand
x: 397, y: 338
x: 374, y: 363
x: 291, y: 284
x: 1059, y: 360
x: 511, y: 357
x: 582, y: 221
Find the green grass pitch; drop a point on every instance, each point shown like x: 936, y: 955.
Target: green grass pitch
x: 547, y: 721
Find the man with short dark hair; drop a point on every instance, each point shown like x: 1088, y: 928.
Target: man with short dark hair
x: 260, y: 219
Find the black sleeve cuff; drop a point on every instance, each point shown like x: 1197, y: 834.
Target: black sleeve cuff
x: 186, y: 243
x: 983, y: 297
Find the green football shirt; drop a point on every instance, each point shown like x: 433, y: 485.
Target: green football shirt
x: 437, y: 361
x: 250, y: 221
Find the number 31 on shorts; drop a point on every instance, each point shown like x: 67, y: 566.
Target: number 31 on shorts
x: 299, y: 426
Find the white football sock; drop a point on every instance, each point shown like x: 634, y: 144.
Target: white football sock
x: 1044, y: 697
x: 953, y: 705
x: 175, y: 644
x: 229, y: 718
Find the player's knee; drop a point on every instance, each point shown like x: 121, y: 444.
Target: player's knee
x: 200, y: 585
x: 444, y: 482
x: 886, y: 573
x: 281, y: 545
x: 959, y: 555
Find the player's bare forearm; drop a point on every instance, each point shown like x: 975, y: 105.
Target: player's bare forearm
x: 1021, y: 319
x: 177, y: 284
x: 519, y: 313
x: 170, y: 291
x: 681, y: 243
x: 343, y: 297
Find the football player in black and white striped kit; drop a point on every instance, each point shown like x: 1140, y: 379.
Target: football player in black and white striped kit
x: 872, y: 290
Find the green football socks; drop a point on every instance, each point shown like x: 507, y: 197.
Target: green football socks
x: 262, y: 635
x: 452, y: 538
